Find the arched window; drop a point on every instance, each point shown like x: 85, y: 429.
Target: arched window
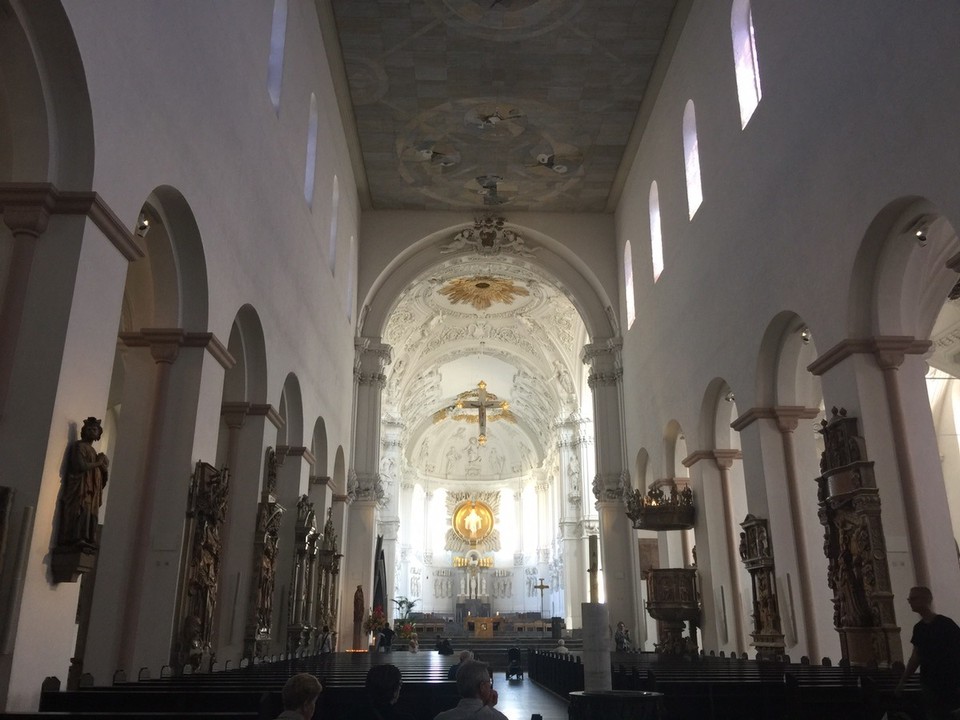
x: 691, y: 159
x: 334, y: 215
x: 745, y: 59
x: 278, y: 35
x: 310, y: 173
x: 628, y: 284
x: 656, y: 237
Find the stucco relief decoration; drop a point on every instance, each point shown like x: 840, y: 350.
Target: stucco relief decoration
x: 482, y: 291
x: 489, y: 236
x: 505, y: 19
x: 472, y: 521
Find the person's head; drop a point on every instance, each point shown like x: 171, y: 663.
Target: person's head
x: 383, y: 683
x: 474, y: 681
x: 920, y: 599
x: 620, y: 625
x: 466, y: 656
x: 326, y: 628
x: 300, y: 694
x: 560, y: 643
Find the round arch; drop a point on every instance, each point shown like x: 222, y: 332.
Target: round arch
x: 247, y: 379
x: 319, y: 447
x: 291, y: 410
x: 555, y: 261
x: 46, y: 124
x: 787, y: 348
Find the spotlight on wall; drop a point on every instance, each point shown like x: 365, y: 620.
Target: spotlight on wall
x: 143, y: 225
x: 730, y: 397
x: 918, y: 228
x: 805, y: 334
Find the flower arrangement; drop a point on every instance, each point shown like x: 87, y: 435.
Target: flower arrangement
x: 406, y: 630
x: 375, y: 620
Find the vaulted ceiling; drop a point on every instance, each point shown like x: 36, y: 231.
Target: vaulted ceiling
x: 491, y: 106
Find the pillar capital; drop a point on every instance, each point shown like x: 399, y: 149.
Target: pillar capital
x: 604, y: 360
x: 372, y: 356
x: 27, y: 207
x: 888, y: 349
x: 787, y: 417
x: 165, y: 344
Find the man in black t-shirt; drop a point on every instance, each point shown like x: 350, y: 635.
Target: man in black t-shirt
x: 936, y: 651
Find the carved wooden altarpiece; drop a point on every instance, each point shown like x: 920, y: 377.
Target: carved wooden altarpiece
x: 756, y: 553
x: 301, y: 630
x: 202, y: 551
x: 259, y: 625
x: 855, y: 548
x: 328, y: 570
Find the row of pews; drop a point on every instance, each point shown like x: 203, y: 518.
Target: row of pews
x: 717, y: 688
x: 253, y: 692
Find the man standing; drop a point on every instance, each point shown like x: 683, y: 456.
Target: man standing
x: 936, y: 651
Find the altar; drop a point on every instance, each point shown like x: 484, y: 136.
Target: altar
x: 483, y: 627
x: 469, y: 608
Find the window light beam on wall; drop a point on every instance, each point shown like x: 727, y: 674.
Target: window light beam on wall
x: 656, y: 236
x: 278, y: 34
x: 745, y: 62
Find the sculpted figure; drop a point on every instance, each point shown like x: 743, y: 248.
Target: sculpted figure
x: 358, y: 605
x: 83, y: 486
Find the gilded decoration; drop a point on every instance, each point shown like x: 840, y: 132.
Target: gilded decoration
x: 459, y: 505
x: 473, y: 521
x: 482, y: 291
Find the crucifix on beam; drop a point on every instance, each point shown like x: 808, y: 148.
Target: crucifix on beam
x: 488, y: 407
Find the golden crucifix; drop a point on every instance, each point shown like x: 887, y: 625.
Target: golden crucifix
x: 488, y: 407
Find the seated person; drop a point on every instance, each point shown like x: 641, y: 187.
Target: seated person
x: 444, y: 647
x: 300, y: 697
x: 414, y: 643
x: 561, y: 648
x: 477, y: 696
x: 465, y: 656
x: 383, y: 690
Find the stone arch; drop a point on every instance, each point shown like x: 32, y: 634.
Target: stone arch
x: 901, y: 275
x: 291, y: 412
x: 156, y: 372
x: 643, y: 470
x: 46, y: 124
x: 247, y: 380
x: 674, y: 449
x: 557, y: 262
x: 340, y: 470
x: 785, y: 386
x: 719, y: 486
x: 319, y: 447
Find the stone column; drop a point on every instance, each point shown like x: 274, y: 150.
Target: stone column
x: 364, y: 484
x: 612, y: 481
x: 61, y: 305
x: 27, y: 223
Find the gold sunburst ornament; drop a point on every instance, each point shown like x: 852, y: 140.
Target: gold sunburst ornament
x: 482, y: 291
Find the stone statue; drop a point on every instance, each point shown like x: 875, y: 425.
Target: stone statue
x: 358, y: 605
x: 83, y: 485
